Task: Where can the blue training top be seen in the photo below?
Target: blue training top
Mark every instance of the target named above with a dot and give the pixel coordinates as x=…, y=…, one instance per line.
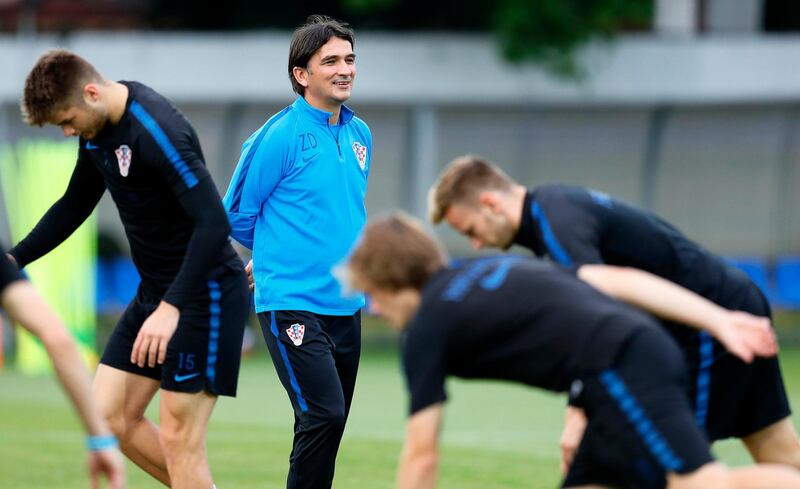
x=297, y=200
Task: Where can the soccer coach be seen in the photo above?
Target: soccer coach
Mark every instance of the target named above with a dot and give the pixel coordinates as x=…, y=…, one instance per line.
x=297, y=199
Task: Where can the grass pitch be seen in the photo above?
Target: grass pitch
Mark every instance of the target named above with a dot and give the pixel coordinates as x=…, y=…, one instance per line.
x=496, y=435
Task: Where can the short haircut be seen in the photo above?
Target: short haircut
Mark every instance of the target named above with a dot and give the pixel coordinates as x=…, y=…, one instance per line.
x=309, y=37
x=461, y=181
x=394, y=253
x=54, y=83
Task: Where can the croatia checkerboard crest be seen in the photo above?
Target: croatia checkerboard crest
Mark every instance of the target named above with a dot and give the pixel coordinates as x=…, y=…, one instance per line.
x=124, y=159
x=295, y=333
x=361, y=155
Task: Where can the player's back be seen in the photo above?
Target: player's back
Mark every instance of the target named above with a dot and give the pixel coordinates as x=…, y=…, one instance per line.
x=595, y=228
x=148, y=160
x=518, y=319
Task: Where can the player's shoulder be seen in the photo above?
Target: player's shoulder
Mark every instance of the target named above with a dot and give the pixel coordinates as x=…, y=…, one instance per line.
x=146, y=97
x=359, y=124
x=559, y=191
x=276, y=130
x=284, y=124
x=151, y=108
x=564, y=195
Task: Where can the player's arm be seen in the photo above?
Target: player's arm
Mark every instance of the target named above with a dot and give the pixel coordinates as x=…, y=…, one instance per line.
x=260, y=168
x=23, y=304
x=211, y=228
x=741, y=333
x=575, y=422
x=419, y=460
x=83, y=192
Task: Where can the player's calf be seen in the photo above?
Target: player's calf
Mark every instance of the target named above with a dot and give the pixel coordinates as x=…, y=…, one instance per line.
x=184, y=420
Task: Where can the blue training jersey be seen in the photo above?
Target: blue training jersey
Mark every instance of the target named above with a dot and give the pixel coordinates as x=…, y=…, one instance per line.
x=297, y=200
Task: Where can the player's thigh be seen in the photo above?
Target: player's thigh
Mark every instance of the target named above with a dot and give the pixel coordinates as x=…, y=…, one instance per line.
x=641, y=426
x=120, y=393
x=302, y=352
x=777, y=443
x=184, y=415
x=710, y=475
x=205, y=351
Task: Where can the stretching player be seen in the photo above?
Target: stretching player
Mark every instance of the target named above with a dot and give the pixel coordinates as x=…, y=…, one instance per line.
x=576, y=226
x=183, y=330
x=468, y=321
x=23, y=304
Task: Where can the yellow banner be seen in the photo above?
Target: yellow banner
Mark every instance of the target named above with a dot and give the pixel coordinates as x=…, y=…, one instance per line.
x=34, y=175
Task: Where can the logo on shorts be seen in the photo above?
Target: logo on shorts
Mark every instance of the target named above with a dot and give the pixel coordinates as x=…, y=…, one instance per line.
x=181, y=378
x=124, y=159
x=361, y=155
x=295, y=333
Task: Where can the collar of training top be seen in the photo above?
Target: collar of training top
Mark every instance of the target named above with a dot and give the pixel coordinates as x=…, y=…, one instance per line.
x=322, y=116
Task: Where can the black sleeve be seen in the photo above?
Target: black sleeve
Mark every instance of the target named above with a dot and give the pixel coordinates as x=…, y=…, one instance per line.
x=570, y=222
x=174, y=151
x=8, y=272
x=83, y=192
x=211, y=229
x=424, y=365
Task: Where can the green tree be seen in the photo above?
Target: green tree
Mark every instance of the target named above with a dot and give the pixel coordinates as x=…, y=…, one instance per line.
x=548, y=32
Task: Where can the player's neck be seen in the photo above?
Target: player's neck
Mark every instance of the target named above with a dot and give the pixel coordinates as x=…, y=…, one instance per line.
x=516, y=201
x=117, y=95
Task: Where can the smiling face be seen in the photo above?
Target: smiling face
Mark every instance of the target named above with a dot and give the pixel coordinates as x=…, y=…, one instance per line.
x=328, y=77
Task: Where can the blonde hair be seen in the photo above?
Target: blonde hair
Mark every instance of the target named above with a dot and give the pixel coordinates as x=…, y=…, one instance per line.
x=394, y=253
x=461, y=181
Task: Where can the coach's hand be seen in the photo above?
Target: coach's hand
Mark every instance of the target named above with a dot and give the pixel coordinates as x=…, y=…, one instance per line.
x=151, y=342
x=748, y=336
x=574, y=427
x=107, y=462
x=249, y=270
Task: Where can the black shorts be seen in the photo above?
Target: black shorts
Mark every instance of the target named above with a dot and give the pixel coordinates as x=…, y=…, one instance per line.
x=731, y=398
x=205, y=351
x=641, y=424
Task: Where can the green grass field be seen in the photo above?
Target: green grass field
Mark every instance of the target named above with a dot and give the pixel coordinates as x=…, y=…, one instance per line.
x=496, y=435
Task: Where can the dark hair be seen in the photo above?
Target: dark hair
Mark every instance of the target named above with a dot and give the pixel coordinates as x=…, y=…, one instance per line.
x=55, y=82
x=311, y=36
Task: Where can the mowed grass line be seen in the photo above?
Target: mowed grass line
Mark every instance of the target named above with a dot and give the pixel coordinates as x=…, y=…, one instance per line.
x=496, y=435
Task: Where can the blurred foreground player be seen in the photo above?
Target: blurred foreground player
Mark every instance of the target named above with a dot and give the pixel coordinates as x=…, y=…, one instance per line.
x=468, y=321
x=25, y=306
x=183, y=331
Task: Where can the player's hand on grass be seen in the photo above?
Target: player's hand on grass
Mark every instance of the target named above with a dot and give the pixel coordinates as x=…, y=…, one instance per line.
x=151, y=343
x=249, y=270
x=574, y=427
x=747, y=336
x=107, y=463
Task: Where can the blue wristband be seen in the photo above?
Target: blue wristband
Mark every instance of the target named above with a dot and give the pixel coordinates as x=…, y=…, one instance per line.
x=97, y=443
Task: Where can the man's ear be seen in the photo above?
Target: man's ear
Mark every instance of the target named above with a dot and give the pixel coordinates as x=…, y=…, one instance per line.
x=91, y=93
x=301, y=76
x=491, y=200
